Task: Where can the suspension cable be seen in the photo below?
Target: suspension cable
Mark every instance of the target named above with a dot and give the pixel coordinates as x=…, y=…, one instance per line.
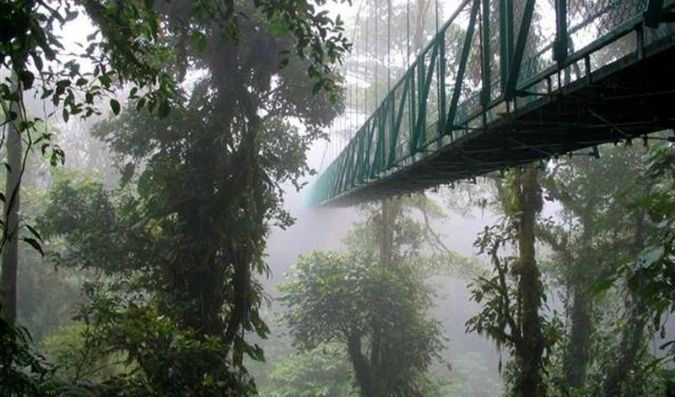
x=377, y=58
x=366, y=61
x=436, y=4
x=388, y=45
x=407, y=33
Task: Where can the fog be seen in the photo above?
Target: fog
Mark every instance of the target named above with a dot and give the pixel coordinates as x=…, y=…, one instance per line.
x=162, y=234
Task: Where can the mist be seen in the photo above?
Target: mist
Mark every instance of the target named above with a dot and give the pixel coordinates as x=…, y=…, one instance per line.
x=410, y=198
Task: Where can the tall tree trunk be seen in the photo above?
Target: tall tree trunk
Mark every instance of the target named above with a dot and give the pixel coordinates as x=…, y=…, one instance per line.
x=617, y=382
x=576, y=357
x=362, y=369
x=576, y=354
x=10, y=250
x=632, y=340
x=378, y=365
x=530, y=351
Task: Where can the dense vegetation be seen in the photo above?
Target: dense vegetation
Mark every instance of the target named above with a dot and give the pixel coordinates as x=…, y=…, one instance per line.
x=138, y=266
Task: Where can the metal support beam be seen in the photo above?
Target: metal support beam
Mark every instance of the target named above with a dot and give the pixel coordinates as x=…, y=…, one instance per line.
x=424, y=82
x=514, y=70
x=441, y=92
x=505, y=39
x=457, y=89
x=397, y=123
x=560, y=46
x=653, y=13
x=486, y=64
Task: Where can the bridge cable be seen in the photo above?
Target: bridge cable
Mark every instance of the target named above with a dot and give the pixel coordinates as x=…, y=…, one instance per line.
x=355, y=106
x=388, y=45
x=407, y=33
x=365, y=90
x=377, y=58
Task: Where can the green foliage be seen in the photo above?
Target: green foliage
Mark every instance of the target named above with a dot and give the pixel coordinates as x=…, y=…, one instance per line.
x=378, y=314
x=513, y=297
x=498, y=318
x=22, y=371
x=159, y=353
x=77, y=357
x=652, y=275
x=176, y=293
x=320, y=372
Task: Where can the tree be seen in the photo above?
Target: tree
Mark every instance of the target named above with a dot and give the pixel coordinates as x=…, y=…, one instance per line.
x=649, y=277
x=597, y=231
x=200, y=189
x=512, y=298
x=380, y=317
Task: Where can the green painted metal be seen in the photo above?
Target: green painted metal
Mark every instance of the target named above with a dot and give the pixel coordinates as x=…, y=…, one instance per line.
x=519, y=51
x=462, y=67
x=505, y=38
x=561, y=37
x=399, y=133
x=486, y=55
x=653, y=13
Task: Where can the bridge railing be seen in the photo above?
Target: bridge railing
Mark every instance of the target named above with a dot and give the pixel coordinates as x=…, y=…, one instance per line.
x=489, y=57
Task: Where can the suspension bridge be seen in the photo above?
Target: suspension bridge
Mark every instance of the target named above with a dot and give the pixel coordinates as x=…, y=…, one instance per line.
x=504, y=83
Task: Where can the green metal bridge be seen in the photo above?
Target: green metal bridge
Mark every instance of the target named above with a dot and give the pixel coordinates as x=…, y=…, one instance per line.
x=507, y=82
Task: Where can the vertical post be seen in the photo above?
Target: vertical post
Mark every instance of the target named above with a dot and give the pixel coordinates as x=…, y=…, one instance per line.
x=407, y=33
x=519, y=51
x=420, y=124
x=412, y=114
x=376, y=99
x=440, y=78
x=506, y=40
x=393, y=134
x=561, y=40
x=388, y=45
x=461, y=67
x=487, y=55
x=653, y=13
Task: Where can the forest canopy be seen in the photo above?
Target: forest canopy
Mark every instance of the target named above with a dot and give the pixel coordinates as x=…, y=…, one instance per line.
x=154, y=243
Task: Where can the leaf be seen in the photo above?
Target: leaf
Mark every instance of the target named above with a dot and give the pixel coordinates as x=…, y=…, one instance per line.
x=603, y=285
x=37, y=60
x=46, y=92
x=35, y=244
x=34, y=232
x=71, y=15
x=27, y=79
x=115, y=106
